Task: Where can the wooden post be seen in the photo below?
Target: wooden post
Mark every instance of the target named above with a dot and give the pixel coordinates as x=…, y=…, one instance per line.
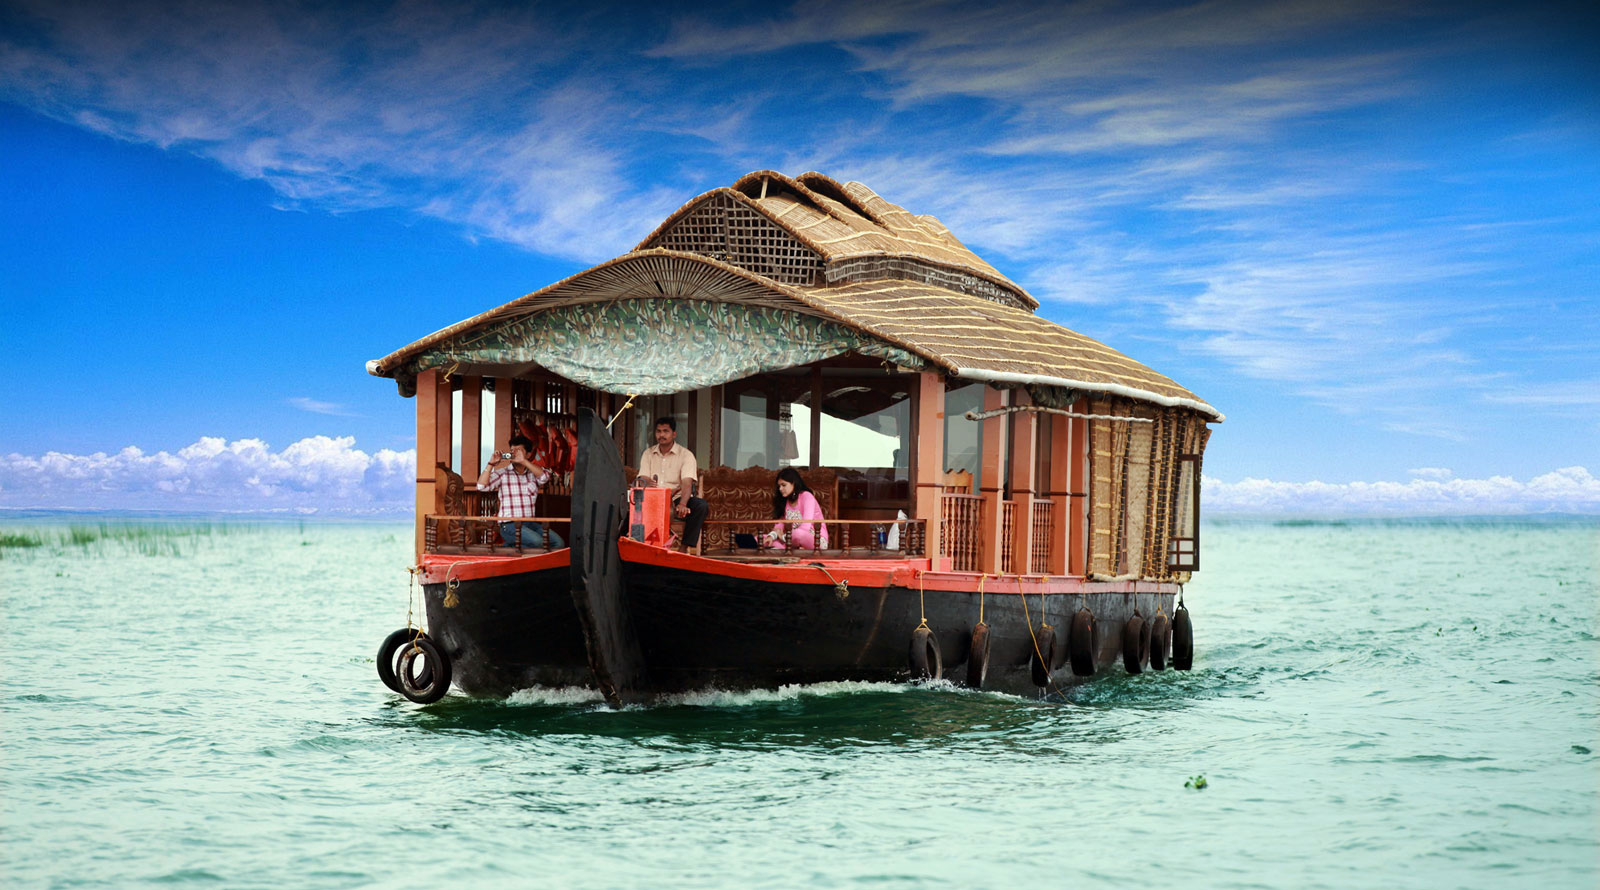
x=1058, y=490
x=929, y=461
x=503, y=399
x=1024, y=438
x=1078, y=489
x=471, y=429
x=427, y=447
x=816, y=417
x=992, y=487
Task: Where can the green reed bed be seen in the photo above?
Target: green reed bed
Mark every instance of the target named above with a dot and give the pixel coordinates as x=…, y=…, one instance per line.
x=146, y=538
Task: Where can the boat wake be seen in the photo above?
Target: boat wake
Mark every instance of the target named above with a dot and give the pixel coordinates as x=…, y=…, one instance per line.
x=729, y=698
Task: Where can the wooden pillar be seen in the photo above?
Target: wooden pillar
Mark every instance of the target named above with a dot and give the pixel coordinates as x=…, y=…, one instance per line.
x=503, y=399
x=928, y=461
x=816, y=417
x=992, y=486
x=471, y=429
x=1058, y=490
x=428, y=445
x=1024, y=438
x=1078, y=488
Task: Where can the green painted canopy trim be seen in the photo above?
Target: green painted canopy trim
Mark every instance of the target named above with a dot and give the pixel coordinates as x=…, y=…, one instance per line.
x=655, y=346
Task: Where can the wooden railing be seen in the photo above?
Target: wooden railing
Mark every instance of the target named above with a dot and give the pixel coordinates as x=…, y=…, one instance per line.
x=961, y=518
x=845, y=538
x=1008, y=537
x=1044, y=526
x=481, y=534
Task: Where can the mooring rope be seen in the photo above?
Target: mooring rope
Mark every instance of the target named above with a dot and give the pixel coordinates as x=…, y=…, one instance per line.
x=1028, y=617
x=922, y=604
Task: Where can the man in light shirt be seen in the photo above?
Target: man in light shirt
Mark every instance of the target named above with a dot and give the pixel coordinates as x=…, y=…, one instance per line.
x=517, y=479
x=673, y=466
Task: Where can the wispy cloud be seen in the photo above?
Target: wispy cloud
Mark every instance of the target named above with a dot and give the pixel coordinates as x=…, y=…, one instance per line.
x=318, y=473
x=319, y=407
x=482, y=117
x=1237, y=181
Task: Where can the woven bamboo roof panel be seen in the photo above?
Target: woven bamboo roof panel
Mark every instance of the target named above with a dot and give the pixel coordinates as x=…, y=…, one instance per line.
x=844, y=224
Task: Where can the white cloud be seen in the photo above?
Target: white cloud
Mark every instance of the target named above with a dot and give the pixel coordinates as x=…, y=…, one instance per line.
x=316, y=406
x=1567, y=490
x=330, y=475
x=315, y=474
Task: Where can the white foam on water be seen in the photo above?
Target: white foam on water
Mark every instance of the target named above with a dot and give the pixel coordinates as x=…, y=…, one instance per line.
x=554, y=695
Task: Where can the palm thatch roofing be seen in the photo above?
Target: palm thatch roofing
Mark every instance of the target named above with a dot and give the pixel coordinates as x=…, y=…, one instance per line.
x=841, y=253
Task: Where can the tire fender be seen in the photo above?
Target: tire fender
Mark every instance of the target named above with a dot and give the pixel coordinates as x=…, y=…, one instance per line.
x=389, y=652
x=978, y=656
x=432, y=681
x=1080, y=643
x=1182, y=640
x=1133, y=643
x=1160, y=641
x=926, y=663
x=1044, y=654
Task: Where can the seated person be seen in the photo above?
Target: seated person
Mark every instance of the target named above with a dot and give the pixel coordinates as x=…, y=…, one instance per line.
x=517, y=480
x=673, y=466
x=792, y=499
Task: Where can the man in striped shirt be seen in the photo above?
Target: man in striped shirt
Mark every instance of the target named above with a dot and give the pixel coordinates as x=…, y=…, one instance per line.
x=517, y=479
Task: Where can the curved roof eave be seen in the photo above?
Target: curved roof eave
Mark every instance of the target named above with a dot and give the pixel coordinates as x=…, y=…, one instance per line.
x=820, y=305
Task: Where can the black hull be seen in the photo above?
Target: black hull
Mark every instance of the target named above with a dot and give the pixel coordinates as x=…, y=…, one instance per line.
x=702, y=630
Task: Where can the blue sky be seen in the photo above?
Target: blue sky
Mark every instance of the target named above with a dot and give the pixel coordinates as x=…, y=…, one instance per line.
x=1369, y=235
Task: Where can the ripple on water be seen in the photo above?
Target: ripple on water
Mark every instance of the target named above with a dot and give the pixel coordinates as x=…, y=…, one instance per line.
x=1350, y=723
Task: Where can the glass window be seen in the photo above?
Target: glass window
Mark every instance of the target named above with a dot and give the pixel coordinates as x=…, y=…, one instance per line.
x=866, y=425
x=963, y=438
x=748, y=435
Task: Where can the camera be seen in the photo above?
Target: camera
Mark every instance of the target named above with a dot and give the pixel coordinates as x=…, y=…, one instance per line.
x=505, y=455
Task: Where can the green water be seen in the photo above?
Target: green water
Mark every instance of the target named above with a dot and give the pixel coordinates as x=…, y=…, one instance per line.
x=1373, y=704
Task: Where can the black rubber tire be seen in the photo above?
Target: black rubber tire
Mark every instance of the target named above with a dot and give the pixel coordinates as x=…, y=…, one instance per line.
x=1045, y=636
x=926, y=662
x=389, y=653
x=1132, y=641
x=978, y=657
x=1144, y=642
x=438, y=678
x=1182, y=640
x=1160, y=641
x=1080, y=643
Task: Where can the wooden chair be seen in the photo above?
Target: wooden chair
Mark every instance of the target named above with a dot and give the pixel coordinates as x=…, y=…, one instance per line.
x=957, y=482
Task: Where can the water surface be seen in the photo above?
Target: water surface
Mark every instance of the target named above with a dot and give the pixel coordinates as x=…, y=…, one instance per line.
x=1404, y=704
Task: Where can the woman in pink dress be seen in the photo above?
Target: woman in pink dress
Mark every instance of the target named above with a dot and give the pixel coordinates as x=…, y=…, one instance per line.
x=792, y=499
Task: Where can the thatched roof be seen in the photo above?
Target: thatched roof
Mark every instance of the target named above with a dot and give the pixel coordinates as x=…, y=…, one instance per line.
x=842, y=232
x=965, y=335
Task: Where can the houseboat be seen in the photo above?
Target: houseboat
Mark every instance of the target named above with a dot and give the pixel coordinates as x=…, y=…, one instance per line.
x=1008, y=504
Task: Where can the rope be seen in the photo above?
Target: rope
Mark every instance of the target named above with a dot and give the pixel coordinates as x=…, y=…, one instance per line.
x=981, y=578
x=922, y=583
x=1028, y=617
x=841, y=588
